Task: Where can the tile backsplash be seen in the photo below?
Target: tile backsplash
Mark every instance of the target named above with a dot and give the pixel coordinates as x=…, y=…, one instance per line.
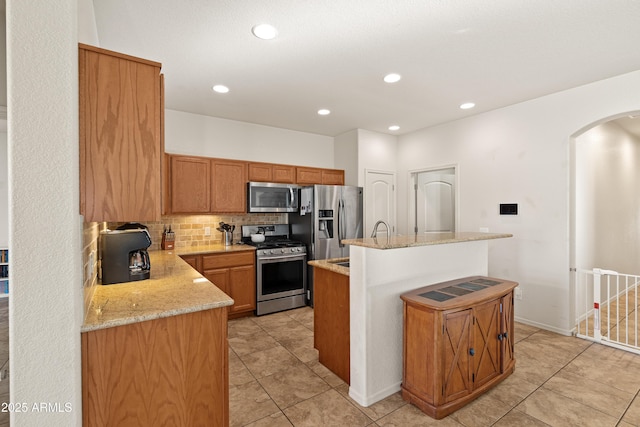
x=190, y=229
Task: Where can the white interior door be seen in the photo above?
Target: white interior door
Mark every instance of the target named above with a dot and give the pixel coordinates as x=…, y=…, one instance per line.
x=435, y=201
x=380, y=201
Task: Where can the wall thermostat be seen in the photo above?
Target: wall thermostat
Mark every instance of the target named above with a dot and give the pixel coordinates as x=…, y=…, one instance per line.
x=508, y=209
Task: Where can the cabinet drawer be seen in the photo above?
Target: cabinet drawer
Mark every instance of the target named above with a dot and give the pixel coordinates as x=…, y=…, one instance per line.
x=227, y=260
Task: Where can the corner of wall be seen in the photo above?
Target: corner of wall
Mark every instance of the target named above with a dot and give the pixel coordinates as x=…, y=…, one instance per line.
x=90, y=234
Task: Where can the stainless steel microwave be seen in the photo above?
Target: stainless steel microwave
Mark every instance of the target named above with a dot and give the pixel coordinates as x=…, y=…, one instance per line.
x=271, y=197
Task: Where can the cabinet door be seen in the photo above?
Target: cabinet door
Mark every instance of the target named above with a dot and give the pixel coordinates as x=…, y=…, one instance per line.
x=486, y=360
x=120, y=136
x=332, y=177
x=168, y=371
x=190, y=184
x=260, y=172
x=219, y=277
x=284, y=174
x=242, y=288
x=194, y=261
x=455, y=347
x=308, y=176
x=507, y=328
x=229, y=184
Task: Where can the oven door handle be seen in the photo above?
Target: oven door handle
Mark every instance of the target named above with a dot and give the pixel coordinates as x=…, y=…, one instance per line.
x=280, y=258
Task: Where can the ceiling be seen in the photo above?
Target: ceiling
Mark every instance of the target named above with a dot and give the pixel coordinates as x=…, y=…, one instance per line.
x=334, y=53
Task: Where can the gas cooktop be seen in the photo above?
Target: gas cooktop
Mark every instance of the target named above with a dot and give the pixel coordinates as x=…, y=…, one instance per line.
x=276, y=236
x=274, y=244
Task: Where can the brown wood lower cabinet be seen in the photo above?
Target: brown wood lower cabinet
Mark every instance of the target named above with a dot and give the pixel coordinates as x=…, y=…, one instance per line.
x=331, y=321
x=162, y=372
x=234, y=274
x=458, y=342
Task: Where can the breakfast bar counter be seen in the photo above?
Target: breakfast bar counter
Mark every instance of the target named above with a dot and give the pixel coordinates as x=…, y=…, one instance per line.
x=414, y=240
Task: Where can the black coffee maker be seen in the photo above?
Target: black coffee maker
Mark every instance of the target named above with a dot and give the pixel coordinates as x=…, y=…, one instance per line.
x=124, y=256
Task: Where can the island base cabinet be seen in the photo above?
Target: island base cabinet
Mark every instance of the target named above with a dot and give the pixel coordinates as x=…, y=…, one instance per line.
x=168, y=371
x=331, y=314
x=453, y=351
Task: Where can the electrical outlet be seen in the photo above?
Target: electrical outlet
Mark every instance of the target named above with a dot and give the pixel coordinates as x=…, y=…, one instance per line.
x=207, y=231
x=518, y=294
x=484, y=229
x=91, y=263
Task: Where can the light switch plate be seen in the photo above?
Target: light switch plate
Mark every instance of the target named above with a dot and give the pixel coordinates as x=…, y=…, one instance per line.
x=207, y=231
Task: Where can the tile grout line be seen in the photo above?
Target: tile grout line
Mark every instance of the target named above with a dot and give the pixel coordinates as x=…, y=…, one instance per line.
x=545, y=381
x=371, y=421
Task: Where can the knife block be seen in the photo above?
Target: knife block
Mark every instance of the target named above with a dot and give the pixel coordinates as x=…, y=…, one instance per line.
x=168, y=240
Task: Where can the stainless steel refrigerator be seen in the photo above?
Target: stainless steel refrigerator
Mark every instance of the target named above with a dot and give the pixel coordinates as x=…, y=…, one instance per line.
x=328, y=214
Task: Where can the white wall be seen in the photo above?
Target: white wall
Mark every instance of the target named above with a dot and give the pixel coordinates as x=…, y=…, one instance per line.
x=345, y=151
x=44, y=223
x=519, y=154
x=608, y=199
x=376, y=151
x=195, y=134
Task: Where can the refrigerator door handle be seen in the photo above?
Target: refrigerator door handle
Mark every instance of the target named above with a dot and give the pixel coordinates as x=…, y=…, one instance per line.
x=341, y=223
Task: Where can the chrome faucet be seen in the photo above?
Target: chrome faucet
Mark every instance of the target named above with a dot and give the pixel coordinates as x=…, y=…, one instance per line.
x=374, y=233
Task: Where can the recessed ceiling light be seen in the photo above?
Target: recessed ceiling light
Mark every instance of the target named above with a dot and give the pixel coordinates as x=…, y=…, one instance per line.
x=220, y=89
x=264, y=31
x=392, y=78
x=394, y=127
x=324, y=112
x=467, y=105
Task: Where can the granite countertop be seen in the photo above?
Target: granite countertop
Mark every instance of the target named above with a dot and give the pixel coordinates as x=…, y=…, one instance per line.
x=174, y=288
x=330, y=264
x=395, y=242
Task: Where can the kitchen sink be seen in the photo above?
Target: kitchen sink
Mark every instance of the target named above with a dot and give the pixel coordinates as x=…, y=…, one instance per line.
x=342, y=264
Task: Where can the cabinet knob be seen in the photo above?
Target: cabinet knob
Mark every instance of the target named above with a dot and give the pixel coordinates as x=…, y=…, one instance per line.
x=472, y=351
x=505, y=335
x=499, y=337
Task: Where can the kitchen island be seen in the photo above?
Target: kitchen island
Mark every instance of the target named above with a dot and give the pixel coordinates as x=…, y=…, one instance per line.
x=381, y=269
x=155, y=352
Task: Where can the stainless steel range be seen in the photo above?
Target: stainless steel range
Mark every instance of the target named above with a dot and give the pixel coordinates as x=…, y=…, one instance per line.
x=281, y=268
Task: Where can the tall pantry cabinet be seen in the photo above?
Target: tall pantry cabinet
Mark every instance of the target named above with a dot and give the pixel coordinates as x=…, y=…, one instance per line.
x=121, y=136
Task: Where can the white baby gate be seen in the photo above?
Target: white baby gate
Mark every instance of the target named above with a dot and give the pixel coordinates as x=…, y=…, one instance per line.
x=607, y=308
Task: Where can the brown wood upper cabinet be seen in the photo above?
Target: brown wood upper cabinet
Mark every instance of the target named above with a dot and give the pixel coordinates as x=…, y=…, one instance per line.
x=310, y=176
x=229, y=186
x=197, y=185
x=121, y=143
x=205, y=185
x=190, y=184
x=269, y=172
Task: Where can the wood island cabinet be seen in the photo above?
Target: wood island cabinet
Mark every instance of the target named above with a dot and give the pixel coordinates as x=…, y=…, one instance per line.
x=166, y=371
x=458, y=342
x=121, y=136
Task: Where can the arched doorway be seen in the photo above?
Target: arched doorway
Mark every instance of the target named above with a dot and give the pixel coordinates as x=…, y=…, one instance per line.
x=605, y=228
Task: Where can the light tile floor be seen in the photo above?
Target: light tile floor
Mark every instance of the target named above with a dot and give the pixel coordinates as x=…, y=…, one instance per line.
x=275, y=380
